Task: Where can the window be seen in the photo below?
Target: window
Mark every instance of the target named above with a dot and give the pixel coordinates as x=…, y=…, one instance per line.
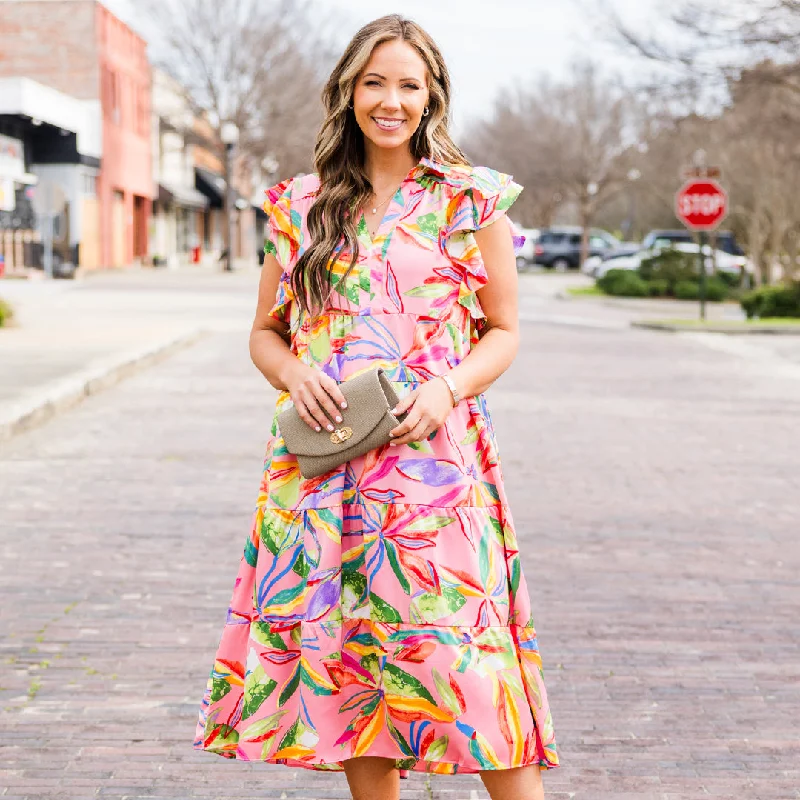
x=665, y=242
x=727, y=244
x=552, y=238
x=90, y=184
x=141, y=115
x=113, y=95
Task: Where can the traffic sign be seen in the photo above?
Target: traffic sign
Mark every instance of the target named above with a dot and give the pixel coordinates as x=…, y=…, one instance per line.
x=701, y=204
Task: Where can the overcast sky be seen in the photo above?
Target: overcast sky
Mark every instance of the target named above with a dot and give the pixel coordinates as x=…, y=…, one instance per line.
x=489, y=44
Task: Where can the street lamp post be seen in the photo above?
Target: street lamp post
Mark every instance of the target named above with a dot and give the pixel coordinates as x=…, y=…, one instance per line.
x=229, y=133
x=586, y=211
x=633, y=176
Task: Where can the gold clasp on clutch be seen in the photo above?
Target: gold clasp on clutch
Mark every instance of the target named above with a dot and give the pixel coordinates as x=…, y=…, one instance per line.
x=341, y=435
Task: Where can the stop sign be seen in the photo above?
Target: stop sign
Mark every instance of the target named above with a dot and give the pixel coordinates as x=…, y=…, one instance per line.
x=701, y=204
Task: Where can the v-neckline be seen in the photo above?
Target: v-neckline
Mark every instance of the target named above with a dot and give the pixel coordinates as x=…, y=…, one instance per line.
x=372, y=239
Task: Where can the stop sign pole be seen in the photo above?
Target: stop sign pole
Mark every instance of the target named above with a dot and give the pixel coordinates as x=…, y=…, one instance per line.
x=701, y=204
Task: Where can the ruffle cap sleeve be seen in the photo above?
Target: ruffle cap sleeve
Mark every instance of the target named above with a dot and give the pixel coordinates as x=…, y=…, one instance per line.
x=282, y=237
x=282, y=242
x=479, y=197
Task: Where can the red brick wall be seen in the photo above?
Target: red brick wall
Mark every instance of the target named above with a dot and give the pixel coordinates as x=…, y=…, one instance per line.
x=82, y=49
x=54, y=43
x=125, y=81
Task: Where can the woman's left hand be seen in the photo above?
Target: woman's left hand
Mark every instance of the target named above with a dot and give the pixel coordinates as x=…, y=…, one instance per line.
x=428, y=407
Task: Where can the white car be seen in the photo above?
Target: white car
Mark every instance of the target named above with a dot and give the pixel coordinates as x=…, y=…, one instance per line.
x=526, y=255
x=725, y=262
x=593, y=263
x=597, y=266
x=631, y=262
x=590, y=266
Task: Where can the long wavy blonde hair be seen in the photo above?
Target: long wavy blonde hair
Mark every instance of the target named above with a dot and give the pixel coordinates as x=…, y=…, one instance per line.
x=339, y=152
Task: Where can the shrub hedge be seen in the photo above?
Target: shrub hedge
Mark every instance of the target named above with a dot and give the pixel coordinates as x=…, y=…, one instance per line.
x=659, y=287
x=687, y=290
x=671, y=273
x=623, y=283
x=716, y=290
x=672, y=266
x=5, y=313
x=626, y=283
x=782, y=300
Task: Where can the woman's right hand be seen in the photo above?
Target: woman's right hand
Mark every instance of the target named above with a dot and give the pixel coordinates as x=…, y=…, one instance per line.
x=314, y=393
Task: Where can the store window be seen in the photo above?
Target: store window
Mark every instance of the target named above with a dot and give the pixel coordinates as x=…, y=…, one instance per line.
x=90, y=184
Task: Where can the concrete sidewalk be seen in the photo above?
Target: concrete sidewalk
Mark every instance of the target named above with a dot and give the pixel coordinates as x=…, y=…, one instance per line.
x=72, y=338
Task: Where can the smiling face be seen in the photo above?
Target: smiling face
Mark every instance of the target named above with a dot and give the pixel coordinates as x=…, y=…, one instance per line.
x=390, y=95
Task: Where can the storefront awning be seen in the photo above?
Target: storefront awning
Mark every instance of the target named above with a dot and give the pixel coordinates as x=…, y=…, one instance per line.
x=213, y=187
x=181, y=196
x=210, y=185
x=39, y=106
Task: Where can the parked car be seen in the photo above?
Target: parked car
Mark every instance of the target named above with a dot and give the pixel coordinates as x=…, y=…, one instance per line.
x=724, y=240
x=724, y=262
x=591, y=264
x=526, y=255
x=560, y=248
x=594, y=264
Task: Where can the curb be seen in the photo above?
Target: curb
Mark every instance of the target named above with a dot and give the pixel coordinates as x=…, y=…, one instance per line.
x=68, y=393
x=773, y=330
x=571, y=322
x=636, y=303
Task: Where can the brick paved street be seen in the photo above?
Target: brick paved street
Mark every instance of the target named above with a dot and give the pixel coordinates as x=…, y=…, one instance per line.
x=655, y=484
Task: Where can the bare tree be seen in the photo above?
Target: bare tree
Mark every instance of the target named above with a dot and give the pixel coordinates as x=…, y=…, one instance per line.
x=703, y=47
x=762, y=160
x=739, y=65
x=521, y=138
x=596, y=139
x=256, y=63
x=565, y=141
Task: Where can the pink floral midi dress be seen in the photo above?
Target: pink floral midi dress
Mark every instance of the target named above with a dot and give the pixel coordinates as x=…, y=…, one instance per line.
x=380, y=609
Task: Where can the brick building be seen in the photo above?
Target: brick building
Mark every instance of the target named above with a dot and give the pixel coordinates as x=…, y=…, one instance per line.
x=210, y=180
x=50, y=148
x=179, y=207
x=81, y=49
x=189, y=222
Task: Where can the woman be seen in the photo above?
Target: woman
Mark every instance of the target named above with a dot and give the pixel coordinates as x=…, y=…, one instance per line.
x=380, y=621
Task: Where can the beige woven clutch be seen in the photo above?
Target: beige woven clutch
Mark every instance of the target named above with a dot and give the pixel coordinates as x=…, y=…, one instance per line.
x=365, y=425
